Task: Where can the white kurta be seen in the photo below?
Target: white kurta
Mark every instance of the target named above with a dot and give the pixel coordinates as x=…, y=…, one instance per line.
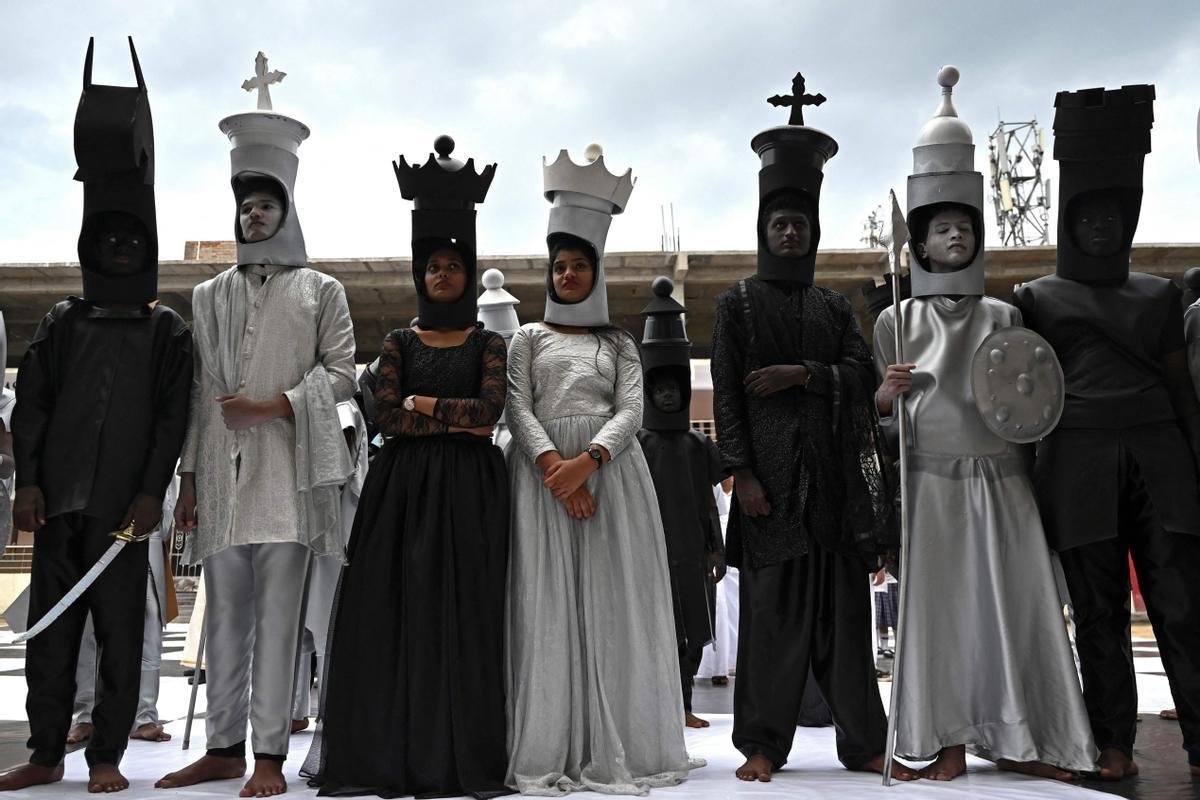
x=985, y=660
x=279, y=481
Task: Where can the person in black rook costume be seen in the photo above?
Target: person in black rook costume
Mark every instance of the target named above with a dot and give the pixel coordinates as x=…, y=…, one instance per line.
x=684, y=465
x=792, y=382
x=1117, y=477
x=104, y=391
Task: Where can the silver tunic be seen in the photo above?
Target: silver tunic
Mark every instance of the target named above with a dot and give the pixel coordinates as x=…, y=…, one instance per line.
x=592, y=671
x=986, y=660
x=290, y=335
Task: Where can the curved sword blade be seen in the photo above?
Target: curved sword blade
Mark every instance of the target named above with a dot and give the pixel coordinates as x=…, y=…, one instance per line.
x=78, y=589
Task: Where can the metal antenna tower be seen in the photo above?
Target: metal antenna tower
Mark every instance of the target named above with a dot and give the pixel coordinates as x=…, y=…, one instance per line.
x=1020, y=196
x=873, y=228
x=670, y=235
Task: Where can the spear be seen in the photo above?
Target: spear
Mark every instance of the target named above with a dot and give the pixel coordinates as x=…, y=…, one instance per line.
x=894, y=236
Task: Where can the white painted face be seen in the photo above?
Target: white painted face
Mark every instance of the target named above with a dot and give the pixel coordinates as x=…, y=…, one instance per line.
x=950, y=243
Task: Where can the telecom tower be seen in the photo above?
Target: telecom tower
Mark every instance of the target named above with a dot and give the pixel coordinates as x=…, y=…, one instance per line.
x=1021, y=197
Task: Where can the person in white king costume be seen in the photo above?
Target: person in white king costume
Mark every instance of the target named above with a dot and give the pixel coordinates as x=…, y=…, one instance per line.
x=265, y=457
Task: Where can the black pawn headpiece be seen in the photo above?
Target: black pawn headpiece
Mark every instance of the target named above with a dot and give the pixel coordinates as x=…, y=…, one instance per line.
x=666, y=351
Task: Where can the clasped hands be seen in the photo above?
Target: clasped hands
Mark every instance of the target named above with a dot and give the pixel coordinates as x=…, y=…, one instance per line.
x=565, y=478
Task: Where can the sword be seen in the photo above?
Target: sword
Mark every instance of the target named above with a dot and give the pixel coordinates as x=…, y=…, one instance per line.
x=191, y=715
x=122, y=538
x=894, y=236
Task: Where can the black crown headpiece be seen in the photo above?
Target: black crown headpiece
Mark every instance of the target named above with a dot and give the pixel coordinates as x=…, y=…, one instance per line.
x=442, y=181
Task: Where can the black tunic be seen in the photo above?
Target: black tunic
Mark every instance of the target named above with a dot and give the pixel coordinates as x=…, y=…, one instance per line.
x=414, y=695
x=102, y=403
x=787, y=439
x=1111, y=340
x=685, y=465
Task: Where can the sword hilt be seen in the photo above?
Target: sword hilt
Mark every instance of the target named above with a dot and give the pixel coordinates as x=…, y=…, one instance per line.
x=127, y=535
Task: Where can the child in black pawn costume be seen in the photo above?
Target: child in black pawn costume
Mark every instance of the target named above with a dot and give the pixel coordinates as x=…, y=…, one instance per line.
x=1118, y=475
x=684, y=465
x=103, y=408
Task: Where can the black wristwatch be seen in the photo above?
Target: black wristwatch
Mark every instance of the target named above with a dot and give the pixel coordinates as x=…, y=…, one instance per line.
x=596, y=455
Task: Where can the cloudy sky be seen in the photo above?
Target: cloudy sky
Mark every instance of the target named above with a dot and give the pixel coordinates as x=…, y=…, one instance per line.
x=674, y=89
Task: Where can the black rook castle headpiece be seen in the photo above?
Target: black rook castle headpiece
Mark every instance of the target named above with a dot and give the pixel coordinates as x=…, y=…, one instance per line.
x=444, y=192
x=1101, y=138
x=114, y=149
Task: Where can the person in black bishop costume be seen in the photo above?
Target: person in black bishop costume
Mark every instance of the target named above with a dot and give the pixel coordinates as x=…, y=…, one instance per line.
x=790, y=369
x=684, y=465
x=1118, y=476
x=104, y=392
x=414, y=697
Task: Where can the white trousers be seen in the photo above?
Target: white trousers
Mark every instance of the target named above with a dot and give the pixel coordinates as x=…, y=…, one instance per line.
x=255, y=607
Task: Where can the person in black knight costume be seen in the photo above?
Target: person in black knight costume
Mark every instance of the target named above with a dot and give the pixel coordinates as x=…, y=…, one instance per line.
x=1117, y=477
x=104, y=392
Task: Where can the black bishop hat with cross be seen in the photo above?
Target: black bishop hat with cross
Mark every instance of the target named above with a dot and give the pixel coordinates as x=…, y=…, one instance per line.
x=792, y=160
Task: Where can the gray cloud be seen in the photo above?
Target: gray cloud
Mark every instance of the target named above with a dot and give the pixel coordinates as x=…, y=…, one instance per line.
x=674, y=89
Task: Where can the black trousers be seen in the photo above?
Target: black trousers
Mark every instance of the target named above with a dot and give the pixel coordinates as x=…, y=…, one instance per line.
x=815, y=611
x=62, y=552
x=689, y=665
x=1167, y=566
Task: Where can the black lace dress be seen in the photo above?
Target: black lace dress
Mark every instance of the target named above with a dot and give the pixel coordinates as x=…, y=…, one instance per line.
x=414, y=695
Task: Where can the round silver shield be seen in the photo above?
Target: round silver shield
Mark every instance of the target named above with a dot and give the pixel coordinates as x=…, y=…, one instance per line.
x=1018, y=385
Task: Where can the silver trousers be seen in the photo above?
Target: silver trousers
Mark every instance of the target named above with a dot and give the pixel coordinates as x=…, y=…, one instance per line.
x=255, y=606
x=322, y=585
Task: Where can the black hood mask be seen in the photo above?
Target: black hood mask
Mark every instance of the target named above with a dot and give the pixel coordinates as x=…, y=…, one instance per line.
x=1101, y=138
x=114, y=150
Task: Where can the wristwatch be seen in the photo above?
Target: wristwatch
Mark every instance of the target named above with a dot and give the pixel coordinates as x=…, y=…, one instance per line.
x=410, y=403
x=596, y=456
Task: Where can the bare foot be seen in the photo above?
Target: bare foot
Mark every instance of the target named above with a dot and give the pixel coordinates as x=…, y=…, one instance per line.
x=1168, y=713
x=106, y=778
x=757, y=768
x=1115, y=765
x=1038, y=769
x=28, y=775
x=266, y=781
x=299, y=724
x=692, y=721
x=900, y=770
x=720, y=680
x=79, y=733
x=950, y=763
x=150, y=732
x=206, y=768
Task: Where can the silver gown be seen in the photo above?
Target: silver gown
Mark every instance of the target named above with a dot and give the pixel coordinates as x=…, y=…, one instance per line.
x=592, y=671
x=986, y=660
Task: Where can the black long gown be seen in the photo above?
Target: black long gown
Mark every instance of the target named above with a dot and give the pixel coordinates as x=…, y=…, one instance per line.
x=414, y=701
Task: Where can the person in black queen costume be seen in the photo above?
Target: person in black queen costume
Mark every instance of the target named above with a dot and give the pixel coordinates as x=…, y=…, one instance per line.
x=414, y=697
x=82, y=475
x=790, y=369
x=685, y=465
x=1117, y=477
